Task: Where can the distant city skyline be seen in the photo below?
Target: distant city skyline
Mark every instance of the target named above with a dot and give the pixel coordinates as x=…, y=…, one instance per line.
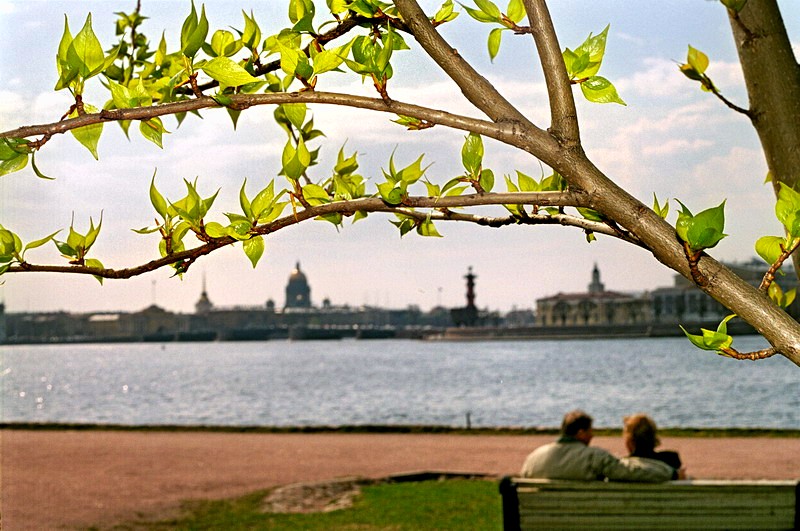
x=672, y=140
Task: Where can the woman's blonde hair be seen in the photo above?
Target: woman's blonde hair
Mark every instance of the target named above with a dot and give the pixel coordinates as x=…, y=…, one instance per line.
x=641, y=430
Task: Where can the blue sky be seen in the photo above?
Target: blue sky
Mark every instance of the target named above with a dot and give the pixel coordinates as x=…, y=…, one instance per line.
x=671, y=139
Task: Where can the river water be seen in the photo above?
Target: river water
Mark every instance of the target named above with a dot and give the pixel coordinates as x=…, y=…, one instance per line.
x=396, y=382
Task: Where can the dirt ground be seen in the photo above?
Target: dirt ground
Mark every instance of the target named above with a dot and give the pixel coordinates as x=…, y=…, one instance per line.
x=75, y=479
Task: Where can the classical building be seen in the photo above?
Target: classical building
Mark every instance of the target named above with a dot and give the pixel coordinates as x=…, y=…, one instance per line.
x=684, y=302
x=298, y=293
x=594, y=307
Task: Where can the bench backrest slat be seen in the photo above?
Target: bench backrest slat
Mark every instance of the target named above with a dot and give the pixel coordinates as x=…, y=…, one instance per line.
x=543, y=504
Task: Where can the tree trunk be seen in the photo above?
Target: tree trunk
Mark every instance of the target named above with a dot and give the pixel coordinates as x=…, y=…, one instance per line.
x=772, y=77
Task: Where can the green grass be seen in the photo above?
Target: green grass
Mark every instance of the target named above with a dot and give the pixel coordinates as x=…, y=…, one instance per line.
x=454, y=504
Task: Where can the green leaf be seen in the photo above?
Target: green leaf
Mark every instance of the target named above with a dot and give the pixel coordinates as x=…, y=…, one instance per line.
x=88, y=135
x=157, y=200
x=594, y=47
x=487, y=180
x=426, y=228
x=472, y=154
x=705, y=229
x=776, y=294
x=14, y=163
x=91, y=235
x=10, y=244
x=94, y=262
x=40, y=242
x=223, y=43
x=445, y=13
x=770, y=248
x=391, y=193
x=215, y=230
x=411, y=173
x=787, y=209
x=697, y=60
x=404, y=224
x=263, y=200
x=434, y=190
x=684, y=221
x=553, y=183
x=254, y=249
x=495, y=36
x=153, y=130
x=66, y=73
x=788, y=297
x=490, y=9
x=315, y=194
x=662, y=211
x=480, y=16
x=295, y=160
x=516, y=11
x=292, y=59
x=85, y=53
x=295, y=113
x=36, y=170
x=711, y=340
x=228, y=72
x=328, y=60
x=591, y=215
x=598, y=89
x=65, y=249
x=194, y=32
x=251, y=36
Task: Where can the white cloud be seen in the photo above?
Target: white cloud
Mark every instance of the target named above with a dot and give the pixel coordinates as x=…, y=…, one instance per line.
x=11, y=103
x=660, y=79
x=7, y=7
x=676, y=146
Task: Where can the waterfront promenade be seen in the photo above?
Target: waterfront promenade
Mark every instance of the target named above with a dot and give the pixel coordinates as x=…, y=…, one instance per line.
x=75, y=479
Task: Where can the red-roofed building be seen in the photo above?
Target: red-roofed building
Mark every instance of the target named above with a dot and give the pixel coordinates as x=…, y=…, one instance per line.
x=593, y=307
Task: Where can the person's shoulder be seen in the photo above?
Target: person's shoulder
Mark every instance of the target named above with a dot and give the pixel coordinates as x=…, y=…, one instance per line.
x=670, y=457
x=648, y=463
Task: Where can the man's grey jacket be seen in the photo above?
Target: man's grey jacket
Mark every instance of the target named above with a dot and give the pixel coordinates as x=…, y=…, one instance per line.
x=571, y=459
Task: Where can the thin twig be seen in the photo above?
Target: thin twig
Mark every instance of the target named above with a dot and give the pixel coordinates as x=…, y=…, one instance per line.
x=751, y=356
x=769, y=276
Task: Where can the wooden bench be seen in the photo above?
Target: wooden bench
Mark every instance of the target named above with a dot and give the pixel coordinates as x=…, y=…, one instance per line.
x=699, y=504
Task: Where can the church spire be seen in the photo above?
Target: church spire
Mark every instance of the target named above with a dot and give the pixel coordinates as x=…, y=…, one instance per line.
x=596, y=286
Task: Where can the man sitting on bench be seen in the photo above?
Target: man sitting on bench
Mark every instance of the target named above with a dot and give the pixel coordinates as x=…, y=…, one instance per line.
x=571, y=458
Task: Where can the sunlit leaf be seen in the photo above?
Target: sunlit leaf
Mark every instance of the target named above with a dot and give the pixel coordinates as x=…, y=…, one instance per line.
x=598, y=89
x=88, y=135
x=697, y=60
x=770, y=248
x=495, y=36
x=228, y=72
x=254, y=249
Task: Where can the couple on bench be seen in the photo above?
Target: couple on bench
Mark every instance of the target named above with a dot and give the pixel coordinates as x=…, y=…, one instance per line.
x=571, y=457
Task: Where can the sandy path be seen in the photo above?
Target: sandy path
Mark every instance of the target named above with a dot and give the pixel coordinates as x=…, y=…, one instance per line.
x=68, y=479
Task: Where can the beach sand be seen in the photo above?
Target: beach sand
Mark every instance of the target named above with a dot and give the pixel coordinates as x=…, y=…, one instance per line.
x=72, y=479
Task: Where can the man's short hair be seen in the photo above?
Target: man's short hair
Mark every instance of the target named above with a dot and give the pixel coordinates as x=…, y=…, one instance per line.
x=575, y=421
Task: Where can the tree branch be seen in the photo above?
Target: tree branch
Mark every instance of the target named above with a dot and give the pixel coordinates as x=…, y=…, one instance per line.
x=508, y=133
x=367, y=204
x=563, y=115
x=474, y=86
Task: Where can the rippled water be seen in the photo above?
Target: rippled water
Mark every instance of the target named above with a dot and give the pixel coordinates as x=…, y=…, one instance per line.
x=276, y=383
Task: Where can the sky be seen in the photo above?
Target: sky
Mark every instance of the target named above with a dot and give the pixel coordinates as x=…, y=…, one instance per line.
x=671, y=139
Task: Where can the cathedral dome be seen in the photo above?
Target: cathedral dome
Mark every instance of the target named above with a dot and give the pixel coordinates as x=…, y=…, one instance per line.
x=297, y=275
x=298, y=293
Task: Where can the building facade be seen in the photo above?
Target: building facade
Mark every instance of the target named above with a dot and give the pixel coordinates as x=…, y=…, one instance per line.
x=594, y=307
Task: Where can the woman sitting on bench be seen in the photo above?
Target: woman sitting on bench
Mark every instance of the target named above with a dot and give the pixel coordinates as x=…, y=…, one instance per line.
x=640, y=434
